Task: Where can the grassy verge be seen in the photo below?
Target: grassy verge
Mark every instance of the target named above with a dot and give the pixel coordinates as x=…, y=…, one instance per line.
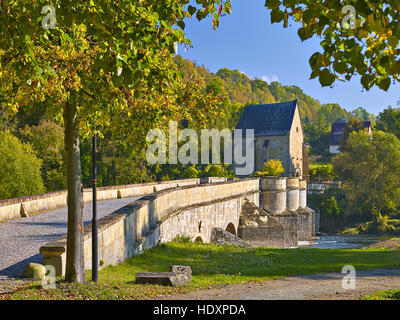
x=212, y=266
x=384, y=295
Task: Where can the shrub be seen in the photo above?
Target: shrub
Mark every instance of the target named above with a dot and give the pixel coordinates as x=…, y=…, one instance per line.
x=271, y=168
x=217, y=170
x=19, y=168
x=191, y=172
x=321, y=171
x=380, y=224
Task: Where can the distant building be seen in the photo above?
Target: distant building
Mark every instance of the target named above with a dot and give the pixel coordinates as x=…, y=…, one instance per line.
x=337, y=131
x=278, y=135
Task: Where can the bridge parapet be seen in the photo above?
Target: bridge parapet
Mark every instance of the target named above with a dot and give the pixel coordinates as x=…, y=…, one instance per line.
x=189, y=210
x=24, y=206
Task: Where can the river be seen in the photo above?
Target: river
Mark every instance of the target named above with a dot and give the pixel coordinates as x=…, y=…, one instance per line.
x=346, y=241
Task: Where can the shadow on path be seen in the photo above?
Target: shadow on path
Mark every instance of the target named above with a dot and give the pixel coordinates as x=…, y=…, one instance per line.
x=16, y=270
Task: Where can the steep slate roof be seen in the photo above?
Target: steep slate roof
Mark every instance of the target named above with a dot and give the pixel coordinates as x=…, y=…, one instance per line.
x=268, y=119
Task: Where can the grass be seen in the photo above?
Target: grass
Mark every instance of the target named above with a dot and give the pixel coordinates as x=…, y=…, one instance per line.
x=384, y=295
x=212, y=266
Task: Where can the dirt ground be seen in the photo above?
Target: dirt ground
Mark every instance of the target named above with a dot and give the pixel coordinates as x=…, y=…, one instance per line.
x=306, y=287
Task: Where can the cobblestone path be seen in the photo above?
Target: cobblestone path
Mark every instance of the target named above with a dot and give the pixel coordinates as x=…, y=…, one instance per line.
x=20, y=239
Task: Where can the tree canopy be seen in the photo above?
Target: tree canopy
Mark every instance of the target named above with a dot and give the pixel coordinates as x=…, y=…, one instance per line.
x=368, y=47
x=389, y=121
x=370, y=169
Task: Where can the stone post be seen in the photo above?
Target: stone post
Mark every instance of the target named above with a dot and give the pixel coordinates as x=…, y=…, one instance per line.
x=273, y=194
x=303, y=194
x=293, y=193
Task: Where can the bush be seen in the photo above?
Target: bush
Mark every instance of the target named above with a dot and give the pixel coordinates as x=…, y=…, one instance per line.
x=321, y=171
x=380, y=224
x=191, y=172
x=271, y=168
x=19, y=168
x=218, y=170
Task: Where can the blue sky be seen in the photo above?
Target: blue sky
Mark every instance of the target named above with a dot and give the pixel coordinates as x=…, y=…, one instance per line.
x=246, y=40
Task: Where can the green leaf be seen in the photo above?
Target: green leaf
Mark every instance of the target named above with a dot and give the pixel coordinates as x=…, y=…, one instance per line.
x=384, y=83
x=277, y=15
x=201, y=14
x=326, y=78
x=314, y=74
x=366, y=81
x=339, y=67
x=393, y=41
x=272, y=4
x=181, y=24
x=304, y=34
x=192, y=10
x=228, y=8
x=315, y=60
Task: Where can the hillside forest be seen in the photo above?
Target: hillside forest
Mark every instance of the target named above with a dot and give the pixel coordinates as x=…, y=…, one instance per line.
x=32, y=139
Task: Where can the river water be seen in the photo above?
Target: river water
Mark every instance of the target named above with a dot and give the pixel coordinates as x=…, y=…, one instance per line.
x=346, y=241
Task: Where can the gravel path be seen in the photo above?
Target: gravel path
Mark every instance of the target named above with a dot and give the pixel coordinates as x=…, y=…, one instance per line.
x=20, y=239
x=306, y=287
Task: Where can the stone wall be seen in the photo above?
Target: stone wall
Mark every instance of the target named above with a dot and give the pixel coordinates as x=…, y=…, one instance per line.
x=191, y=211
x=19, y=207
x=290, y=223
x=259, y=228
x=296, y=146
x=305, y=224
x=278, y=148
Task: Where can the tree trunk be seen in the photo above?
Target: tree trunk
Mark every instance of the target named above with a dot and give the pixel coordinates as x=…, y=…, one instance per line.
x=75, y=269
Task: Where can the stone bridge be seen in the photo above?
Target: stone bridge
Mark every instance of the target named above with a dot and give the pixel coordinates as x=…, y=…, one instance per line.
x=267, y=211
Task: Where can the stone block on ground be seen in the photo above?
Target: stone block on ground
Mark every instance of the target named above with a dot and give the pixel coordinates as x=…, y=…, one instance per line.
x=181, y=269
x=163, y=278
x=35, y=271
x=222, y=237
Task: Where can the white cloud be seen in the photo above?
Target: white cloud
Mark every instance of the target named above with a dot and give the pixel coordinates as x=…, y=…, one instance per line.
x=270, y=79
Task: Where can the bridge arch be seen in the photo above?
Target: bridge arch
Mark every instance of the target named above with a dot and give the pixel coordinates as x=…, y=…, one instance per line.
x=231, y=228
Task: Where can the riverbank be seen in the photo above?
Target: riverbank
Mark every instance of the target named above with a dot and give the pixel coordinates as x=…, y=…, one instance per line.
x=392, y=227
x=213, y=267
x=393, y=244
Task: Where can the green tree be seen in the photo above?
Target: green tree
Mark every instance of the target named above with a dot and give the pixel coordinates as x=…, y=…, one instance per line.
x=369, y=168
x=47, y=139
x=352, y=124
x=99, y=59
x=19, y=168
x=370, y=49
x=321, y=171
x=363, y=115
x=389, y=121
